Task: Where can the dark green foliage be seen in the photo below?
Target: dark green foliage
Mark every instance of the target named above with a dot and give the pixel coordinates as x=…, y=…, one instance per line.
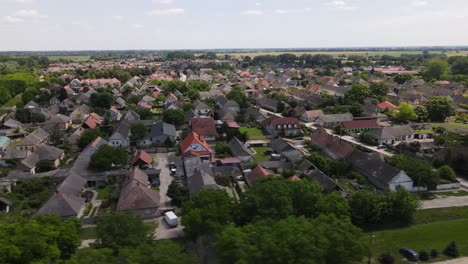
x=89, y=135
x=368, y=138
x=44, y=165
x=434, y=253
x=32, y=193
x=107, y=157
x=102, y=100
x=386, y=259
x=14, y=84
x=446, y=172
x=138, y=132
x=238, y=96
x=178, y=193
x=122, y=230
x=325, y=239
x=420, y=171
x=366, y=207
x=379, y=89
x=452, y=250
x=422, y=113
x=222, y=149
x=175, y=117
x=145, y=114
x=45, y=239
x=207, y=213
x=358, y=93
x=402, y=78
x=423, y=255
x=435, y=69
x=24, y=115
x=439, y=108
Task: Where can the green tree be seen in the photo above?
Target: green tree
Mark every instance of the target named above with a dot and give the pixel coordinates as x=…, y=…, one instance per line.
x=366, y=207
x=422, y=113
x=334, y=203
x=358, y=93
x=405, y=112
x=122, y=230
x=45, y=165
x=420, y=171
x=93, y=255
x=379, y=89
x=402, y=78
x=102, y=100
x=446, y=172
x=325, y=239
x=89, y=135
x=106, y=157
x=439, y=108
x=435, y=69
x=178, y=193
x=138, y=132
x=175, y=117
x=207, y=213
x=400, y=206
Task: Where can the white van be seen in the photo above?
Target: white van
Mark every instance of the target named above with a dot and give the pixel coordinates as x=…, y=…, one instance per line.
x=171, y=219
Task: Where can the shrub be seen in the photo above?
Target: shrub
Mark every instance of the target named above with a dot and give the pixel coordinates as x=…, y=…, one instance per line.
x=386, y=259
x=434, y=253
x=423, y=255
x=452, y=250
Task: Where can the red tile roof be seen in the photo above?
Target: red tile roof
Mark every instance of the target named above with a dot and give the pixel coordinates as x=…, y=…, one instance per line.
x=93, y=120
x=233, y=125
x=204, y=126
x=332, y=143
x=229, y=160
x=257, y=174
x=194, y=138
x=143, y=156
x=387, y=105
x=360, y=124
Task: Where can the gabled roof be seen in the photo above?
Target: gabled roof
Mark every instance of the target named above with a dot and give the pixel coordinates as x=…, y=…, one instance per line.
x=121, y=132
x=393, y=132
x=163, y=128
x=200, y=105
x=131, y=116
x=143, y=156
x=199, y=175
x=336, y=118
x=275, y=121
x=34, y=138
x=361, y=124
x=136, y=194
x=237, y=147
x=257, y=174
x=204, y=126
x=194, y=138
x=387, y=105
x=332, y=143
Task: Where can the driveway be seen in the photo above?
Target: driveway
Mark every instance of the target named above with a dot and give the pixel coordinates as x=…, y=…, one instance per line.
x=163, y=231
x=165, y=178
x=451, y=201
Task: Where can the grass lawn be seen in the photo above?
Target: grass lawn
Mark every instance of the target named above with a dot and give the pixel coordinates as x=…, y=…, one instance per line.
x=260, y=154
x=253, y=133
x=440, y=214
x=103, y=193
x=454, y=193
x=88, y=233
x=452, y=126
x=13, y=101
x=421, y=237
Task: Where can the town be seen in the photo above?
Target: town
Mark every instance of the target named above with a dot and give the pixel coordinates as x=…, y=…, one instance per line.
x=234, y=158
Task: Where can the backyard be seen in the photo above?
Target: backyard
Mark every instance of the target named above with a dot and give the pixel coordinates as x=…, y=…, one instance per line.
x=253, y=133
x=260, y=155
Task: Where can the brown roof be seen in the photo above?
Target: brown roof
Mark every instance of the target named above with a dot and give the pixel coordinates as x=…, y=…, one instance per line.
x=334, y=144
x=364, y=123
x=257, y=174
x=143, y=156
x=204, y=126
x=136, y=194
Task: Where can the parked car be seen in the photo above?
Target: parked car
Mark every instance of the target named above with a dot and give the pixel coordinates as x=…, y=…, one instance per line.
x=171, y=219
x=409, y=254
x=381, y=146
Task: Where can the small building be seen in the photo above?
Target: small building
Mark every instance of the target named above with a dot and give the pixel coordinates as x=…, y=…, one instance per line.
x=204, y=126
x=163, y=134
x=311, y=116
x=282, y=126
x=333, y=120
x=239, y=150
x=361, y=125
x=393, y=134
x=195, y=145
x=257, y=174
x=141, y=158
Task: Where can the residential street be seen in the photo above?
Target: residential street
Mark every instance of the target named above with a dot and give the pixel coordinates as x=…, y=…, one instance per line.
x=165, y=178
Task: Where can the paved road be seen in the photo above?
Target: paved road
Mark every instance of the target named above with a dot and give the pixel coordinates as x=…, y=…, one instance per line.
x=163, y=231
x=454, y=261
x=165, y=178
x=451, y=201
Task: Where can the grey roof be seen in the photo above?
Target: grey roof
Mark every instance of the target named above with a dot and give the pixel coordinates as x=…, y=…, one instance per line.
x=305, y=166
x=42, y=152
x=280, y=145
x=336, y=118
x=12, y=123
x=274, y=165
x=120, y=101
x=200, y=105
x=136, y=194
x=199, y=175
x=327, y=184
x=121, y=132
x=34, y=138
x=131, y=116
x=163, y=129
x=392, y=132
x=293, y=155
x=375, y=169
x=5, y=201
x=238, y=147
x=13, y=154
x=269, y=102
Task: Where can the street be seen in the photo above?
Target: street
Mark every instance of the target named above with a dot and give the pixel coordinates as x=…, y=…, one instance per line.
x=165, y=178
x=451, y=201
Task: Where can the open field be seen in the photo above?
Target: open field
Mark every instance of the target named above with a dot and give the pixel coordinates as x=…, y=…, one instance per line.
x=420, y=237
x=453, y=127
x=441, y=214
x=338, y=53
x=253, y=133
x=71, y=57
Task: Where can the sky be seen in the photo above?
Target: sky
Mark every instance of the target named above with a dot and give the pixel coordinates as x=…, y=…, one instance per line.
x=218, y=24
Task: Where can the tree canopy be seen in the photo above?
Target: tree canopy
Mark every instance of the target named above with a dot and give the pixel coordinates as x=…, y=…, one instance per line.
x=174, y=117
x=106, y=157
x=439, y=108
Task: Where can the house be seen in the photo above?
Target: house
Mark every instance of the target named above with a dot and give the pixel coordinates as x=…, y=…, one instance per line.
x=57, y=122
x=42, y=152
x=163, y=134
x=201, y=108
x=5, y=205
x=311, y=116
x=137, y=197
x=380, y=174
x=34, y=139
x=327, y=184
x=67, y=201
x=204, y=126
x=384, y=106
x=284, y=126
x=114, y=114
x=225, y=116
x=200, y=175
x=239, y=150
x=281, y=145
x=80, y=114
x=195, y=145
x=93, y=121
x=331, y=145
x=120, y=136
x=131, y=116
x=54, y=101
x=268, y=104
x=12, y=156
x=257, y=174
x=254, y=114
x=361, y=125
x=229, y=106
x=141, y=158
x=333, y=120
x=393, y=134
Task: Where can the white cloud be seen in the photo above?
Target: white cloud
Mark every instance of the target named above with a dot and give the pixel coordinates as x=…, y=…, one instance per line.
x=29, y=14
x=166, y=12
x=12, y=19
x=118, y=18
x=138, y=26
x=340, y=4
x=258, y=4
x=292, y=11
x=83, y=25
x=252, y=13
x=25, y=1
x=419, y=3
x=165, y=2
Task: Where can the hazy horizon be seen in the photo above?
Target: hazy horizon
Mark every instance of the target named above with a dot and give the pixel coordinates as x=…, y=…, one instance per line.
x=54, y=25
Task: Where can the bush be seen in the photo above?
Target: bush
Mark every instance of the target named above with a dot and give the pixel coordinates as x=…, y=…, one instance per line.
x=434, y=253
x=386, y=259
x=452, y=250
x=423, y=255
